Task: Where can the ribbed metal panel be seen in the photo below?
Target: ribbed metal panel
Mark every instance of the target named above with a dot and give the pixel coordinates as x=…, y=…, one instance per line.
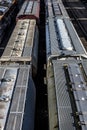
x=27, y=51
x=79, y=91
x=53, y=38
x=74, y=37
x=7, y=83
x=63, y=99
x=56, y=8
x=48, y=46
x=16, y=115
x=22, y=76
x=14, y=121
x=18, y=100
x=65, y=118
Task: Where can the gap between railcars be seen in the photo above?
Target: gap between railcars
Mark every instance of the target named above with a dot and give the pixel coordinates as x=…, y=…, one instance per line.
x=77, y=24
x=41, y=117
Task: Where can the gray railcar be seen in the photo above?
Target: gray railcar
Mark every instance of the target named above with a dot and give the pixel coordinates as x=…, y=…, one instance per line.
x=17, y=97
x=23, y=44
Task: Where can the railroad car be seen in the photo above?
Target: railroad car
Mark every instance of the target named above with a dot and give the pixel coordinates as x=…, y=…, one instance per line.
x=23, y=44
x=17, y=97
x=55, y=8
x=67, y=97
x=30, y=10
x=66, y=71
x=62, y=39
x=7, y=13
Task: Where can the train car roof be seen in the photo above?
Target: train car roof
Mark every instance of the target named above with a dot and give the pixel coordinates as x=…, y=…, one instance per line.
x=58, y=33
x=13, y=78
x=55, y=8
x=21, y=43
x=75, y=71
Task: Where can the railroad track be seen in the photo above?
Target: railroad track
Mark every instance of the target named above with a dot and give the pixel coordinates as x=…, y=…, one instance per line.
x=80, y=18
x=78, y=13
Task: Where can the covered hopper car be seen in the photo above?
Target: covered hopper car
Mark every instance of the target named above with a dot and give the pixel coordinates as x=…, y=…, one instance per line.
x=66, y=71
x=23, y=44
x=67, y=97
x=17, y=98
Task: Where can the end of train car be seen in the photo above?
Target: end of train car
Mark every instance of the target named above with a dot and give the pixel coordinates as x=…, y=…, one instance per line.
x=29, y=10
